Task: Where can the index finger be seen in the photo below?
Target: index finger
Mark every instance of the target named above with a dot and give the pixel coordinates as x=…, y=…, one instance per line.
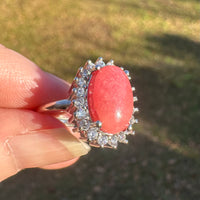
x=24, y=85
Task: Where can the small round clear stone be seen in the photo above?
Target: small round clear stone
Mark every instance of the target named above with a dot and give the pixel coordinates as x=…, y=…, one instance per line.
x=132, y=133
x=84, y=125
x=85, y=73
x=81, y=82
x=92, y=134
x=113, y=141
x=127, y=72
x=132, y=121
x=79, y=102
x=102, y=140
x=90, y=67
x=130, y=127
x=122, y=137
x=111, y=62
x=100, y=63
x=126, y=133
x=81, y=113
x=80, y=92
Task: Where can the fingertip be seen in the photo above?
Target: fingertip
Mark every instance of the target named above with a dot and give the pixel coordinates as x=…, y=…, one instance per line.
x=61, y=164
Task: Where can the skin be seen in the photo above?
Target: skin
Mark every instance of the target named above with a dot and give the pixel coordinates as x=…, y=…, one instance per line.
x=23, y=88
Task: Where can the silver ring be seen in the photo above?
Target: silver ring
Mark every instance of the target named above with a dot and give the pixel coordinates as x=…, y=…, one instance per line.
x=84, y=111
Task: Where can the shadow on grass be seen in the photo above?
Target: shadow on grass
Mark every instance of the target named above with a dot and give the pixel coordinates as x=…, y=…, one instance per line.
x=176, y=46
x=165, y=8
x=142, y=170
x=170, y=96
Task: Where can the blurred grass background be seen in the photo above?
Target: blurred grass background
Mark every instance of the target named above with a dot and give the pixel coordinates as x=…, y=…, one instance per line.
x=158, y=41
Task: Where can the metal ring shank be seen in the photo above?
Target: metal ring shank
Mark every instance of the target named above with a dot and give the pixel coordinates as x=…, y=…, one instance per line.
x=61, y=105
x=55, y=106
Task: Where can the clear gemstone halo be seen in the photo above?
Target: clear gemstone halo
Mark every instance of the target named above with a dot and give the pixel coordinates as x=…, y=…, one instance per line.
x=103, y=104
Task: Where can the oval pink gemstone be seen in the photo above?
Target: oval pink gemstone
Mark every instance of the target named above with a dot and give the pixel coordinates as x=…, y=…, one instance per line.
x=110, y=99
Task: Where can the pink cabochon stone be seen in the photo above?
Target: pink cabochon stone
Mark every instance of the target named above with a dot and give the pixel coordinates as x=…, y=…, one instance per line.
x=110, y=99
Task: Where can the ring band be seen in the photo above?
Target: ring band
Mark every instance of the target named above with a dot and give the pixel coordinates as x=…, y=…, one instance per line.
x=61, y=105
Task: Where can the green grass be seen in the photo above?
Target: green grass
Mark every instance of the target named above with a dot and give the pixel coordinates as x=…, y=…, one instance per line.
x=158, y=41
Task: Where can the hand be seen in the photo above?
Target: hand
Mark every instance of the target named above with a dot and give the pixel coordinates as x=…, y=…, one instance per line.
x=27, y=138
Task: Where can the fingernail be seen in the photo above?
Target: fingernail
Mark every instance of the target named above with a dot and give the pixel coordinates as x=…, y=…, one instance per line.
x=45, y=147
x=75, y=146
